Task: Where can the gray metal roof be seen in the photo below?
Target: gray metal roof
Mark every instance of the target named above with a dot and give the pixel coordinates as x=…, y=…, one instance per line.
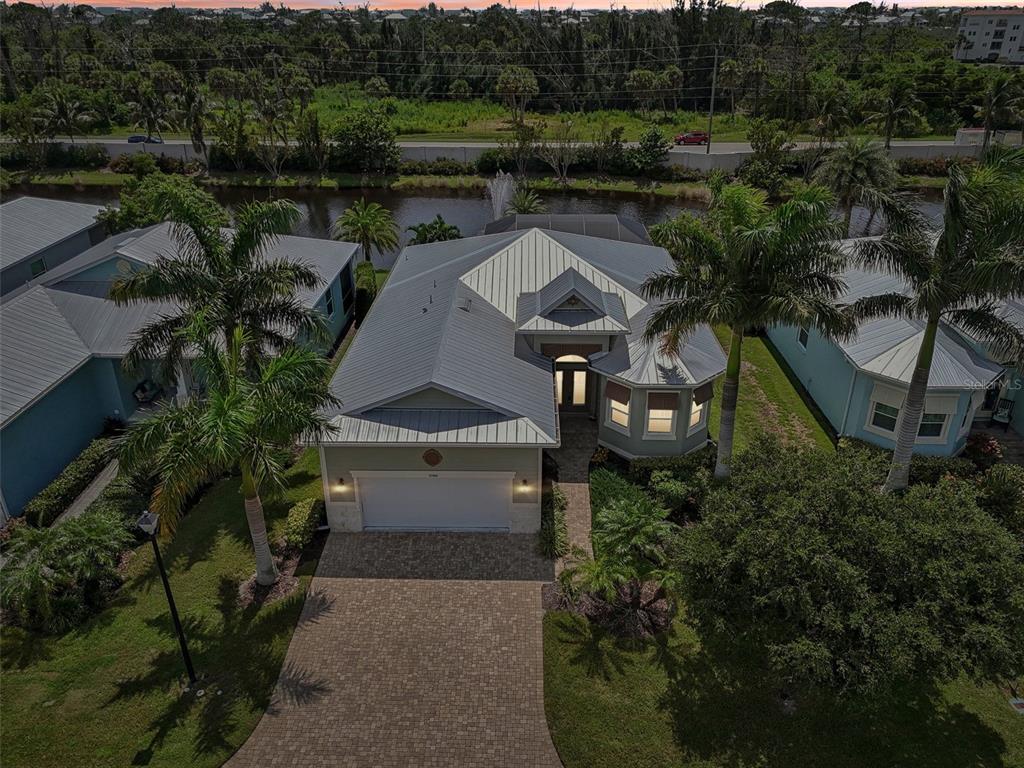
x=447, y=319
x=888, y=347
x=49, y=328
x=605, y=225
x=31, y=224
x=543, y=311
x=476, y=426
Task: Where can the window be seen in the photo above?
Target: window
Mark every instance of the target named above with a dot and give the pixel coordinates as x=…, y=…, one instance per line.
x=932, y=425
x=884, y=417
x=38, y=267
x=802, y=336
x=329, y=303
x=579, y=388
x=347, y=291
x=619, y=413
x=697, y=415
x=662, y=408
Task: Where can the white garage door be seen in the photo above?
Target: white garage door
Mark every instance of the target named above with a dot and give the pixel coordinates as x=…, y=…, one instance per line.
x=418, y=501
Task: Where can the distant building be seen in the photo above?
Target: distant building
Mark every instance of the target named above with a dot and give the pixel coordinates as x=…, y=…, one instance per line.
x=991, y=36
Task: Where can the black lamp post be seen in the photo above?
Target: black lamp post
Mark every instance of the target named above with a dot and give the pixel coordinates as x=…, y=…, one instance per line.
x=149, y=524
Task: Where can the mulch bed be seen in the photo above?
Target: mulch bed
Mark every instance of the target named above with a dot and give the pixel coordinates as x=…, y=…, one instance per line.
x=251, y=593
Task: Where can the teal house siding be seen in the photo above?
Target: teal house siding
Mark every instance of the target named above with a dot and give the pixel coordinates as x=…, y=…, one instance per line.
x=37, y=444
x=341, y=302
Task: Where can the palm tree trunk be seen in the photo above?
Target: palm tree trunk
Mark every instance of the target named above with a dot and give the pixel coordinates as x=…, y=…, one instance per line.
x=266, y=571
x=910, y=416
x=730, y=391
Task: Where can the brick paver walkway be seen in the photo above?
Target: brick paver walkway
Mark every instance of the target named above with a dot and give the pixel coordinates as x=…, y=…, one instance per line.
x=414, y=650
x=579, y=440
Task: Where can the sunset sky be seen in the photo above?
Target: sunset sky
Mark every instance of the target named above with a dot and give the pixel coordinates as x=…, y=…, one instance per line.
x=403, y=4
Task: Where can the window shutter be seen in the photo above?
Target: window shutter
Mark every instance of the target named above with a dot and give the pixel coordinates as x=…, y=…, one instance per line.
x=703, y=393
x=617, y=392
x=663, y=401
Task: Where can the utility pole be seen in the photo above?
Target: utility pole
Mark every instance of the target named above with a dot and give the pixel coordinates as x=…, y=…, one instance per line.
x=711, y=108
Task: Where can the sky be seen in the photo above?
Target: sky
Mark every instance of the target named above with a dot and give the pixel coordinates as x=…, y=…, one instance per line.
x=581, y=4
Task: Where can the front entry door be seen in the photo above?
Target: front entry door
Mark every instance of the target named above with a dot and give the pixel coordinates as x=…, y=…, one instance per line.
x=571, y=386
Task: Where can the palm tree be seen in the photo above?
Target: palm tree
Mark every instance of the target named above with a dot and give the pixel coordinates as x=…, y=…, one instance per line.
x=898, y=105
x=748, y=265
x=224, y=273
x=977, y=259
x=245, y=420
x=62, y=113
x=434, y=231
x=859, y=172
x=369, y=224
x=151, y=111
x=195, y=111
x=730, y=74
x=525, y=201
x=1003, y=99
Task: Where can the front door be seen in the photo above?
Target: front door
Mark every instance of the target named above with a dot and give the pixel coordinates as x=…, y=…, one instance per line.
x=572, y=385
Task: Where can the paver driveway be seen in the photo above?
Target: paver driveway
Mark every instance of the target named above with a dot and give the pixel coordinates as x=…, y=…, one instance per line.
x=413, y=650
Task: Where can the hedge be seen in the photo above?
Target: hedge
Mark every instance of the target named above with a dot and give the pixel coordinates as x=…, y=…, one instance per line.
x=682, y=467
x=303, y=519
x=554, y=529
x=50, y=502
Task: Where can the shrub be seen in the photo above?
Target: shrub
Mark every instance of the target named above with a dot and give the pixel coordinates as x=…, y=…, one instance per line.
x=50, y=502
x=681, y=496
x=366, y=290
x=53, y=578
x=649, y=153
x=849, y=589
x=1002, y=496
x=983, y=449
x=303, y=519
x=493, y=160
x=9, y=528
x=365, y=142
x=443, y=166
x=554, y=530
x=681, y=467
x=125, y=497
x=930, y=469
x=930, y=166
x=607, y=485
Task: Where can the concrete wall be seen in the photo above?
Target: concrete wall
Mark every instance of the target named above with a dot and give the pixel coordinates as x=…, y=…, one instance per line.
x=20, y=273
x=338, y=463
x=635, y=444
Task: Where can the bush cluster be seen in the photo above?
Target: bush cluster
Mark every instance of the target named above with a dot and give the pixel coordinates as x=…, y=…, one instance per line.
x=443, y=166
x=554, y=530
x=17, y=157
x=930, y=166
x=303, y=520
x=50, y=502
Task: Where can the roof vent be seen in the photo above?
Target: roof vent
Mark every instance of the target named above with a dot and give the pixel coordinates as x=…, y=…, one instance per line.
x=463, y=303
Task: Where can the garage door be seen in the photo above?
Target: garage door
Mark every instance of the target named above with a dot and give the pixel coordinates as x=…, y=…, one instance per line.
x=452, y=501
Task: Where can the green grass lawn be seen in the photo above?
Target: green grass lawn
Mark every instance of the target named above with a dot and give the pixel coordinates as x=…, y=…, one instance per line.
x=769, y=399
x=672, y=702
x=108, y=693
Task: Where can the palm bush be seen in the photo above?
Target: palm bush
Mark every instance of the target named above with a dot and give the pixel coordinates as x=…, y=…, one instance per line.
x=224, y=274
x=369, y=224
x=748, y=265
x=245, y=421
x=525, y=201
x=976, y=260
x=859, y=171
x=434, y=231
x=54, y=577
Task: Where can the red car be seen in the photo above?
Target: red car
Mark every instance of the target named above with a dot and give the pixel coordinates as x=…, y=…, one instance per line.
x=693, y=137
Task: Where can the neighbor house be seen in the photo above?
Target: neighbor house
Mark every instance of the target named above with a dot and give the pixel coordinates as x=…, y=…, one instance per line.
x=37, y=235
x=472, y=355
x=62, y=341
x=860, y=384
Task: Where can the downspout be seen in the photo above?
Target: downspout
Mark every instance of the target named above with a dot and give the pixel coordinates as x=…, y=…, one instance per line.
x=849, y=397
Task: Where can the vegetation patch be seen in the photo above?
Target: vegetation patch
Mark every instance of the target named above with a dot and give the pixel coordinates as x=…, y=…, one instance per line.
x=51, y=502
x=554, y=531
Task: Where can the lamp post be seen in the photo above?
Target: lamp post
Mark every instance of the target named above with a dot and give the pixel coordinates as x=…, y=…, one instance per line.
x=149, y=524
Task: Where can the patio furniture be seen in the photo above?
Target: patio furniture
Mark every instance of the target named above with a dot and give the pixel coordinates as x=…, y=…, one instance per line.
x=1003, y=413
x=146, y=392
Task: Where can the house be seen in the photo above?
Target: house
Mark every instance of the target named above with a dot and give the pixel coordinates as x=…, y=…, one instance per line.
x=62, y=342
x=471, y=356
x=860, y=384
x=38, y=234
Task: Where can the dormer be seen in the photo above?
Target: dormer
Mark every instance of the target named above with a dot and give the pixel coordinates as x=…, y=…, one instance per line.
x=570, y=303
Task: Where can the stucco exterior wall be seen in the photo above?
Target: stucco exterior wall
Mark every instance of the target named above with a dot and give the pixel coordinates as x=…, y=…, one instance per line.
x=18, y=274
x=338, y=463
x=636, y=444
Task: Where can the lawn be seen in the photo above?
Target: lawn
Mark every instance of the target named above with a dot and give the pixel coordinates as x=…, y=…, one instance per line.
x=769, y=399
x=672, y=702
x=108, y=693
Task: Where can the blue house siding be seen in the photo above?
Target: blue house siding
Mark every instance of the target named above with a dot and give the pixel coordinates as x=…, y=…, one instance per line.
x=822, y=368
x=337, y=321
x=844, y=394
x=40, y=442
x=20, y=273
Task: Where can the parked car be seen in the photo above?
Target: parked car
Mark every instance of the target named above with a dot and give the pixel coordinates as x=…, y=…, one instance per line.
x=138, y=138
x=693, y=137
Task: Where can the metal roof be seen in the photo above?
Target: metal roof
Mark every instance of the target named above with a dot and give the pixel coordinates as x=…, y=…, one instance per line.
x=605, y=225
x=31, y=224
x=447, y=319
x=888, y=347
x=543, y=310
x=477, y=426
